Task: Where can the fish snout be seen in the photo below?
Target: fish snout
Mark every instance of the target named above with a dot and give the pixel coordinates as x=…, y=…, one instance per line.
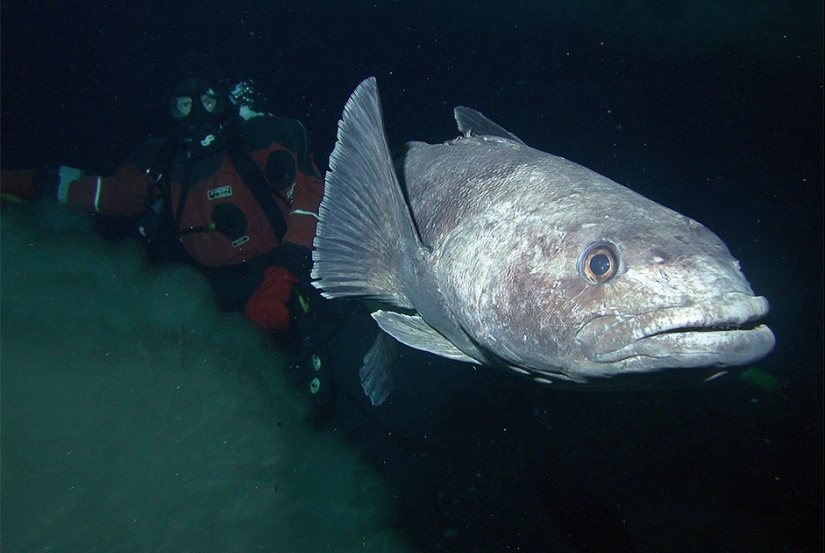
x=722, y=330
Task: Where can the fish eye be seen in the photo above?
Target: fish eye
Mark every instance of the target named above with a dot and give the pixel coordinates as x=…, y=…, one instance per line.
x=599, y=263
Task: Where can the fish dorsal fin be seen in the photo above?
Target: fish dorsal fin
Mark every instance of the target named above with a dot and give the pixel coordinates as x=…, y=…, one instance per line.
x=473, y=123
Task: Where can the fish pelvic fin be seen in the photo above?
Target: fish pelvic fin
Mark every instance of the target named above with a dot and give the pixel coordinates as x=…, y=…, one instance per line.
x=365, y=229
x=376, y=372
x=414, y=331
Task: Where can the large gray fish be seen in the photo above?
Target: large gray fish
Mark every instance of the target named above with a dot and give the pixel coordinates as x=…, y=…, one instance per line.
x=485, y=250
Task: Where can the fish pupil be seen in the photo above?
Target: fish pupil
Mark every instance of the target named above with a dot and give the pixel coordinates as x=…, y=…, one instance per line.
x=600, y=264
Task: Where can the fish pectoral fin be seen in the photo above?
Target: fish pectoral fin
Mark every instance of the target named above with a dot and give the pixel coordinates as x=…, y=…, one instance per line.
x=376, y=373
x=414, y=332
x=365, y=228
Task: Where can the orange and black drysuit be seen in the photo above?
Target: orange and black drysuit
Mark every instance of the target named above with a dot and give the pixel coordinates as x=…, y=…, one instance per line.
x=245, y=216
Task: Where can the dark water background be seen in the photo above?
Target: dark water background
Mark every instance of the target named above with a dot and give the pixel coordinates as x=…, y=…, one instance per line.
x=711, y=108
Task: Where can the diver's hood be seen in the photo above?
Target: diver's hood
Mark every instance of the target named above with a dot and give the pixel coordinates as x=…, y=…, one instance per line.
x=201, y=110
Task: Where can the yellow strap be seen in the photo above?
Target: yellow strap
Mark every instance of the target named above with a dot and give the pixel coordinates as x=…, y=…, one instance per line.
x=303, y=301
x=5, y=197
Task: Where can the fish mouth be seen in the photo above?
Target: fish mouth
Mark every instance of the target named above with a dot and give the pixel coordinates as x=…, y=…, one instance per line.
x=720, y=331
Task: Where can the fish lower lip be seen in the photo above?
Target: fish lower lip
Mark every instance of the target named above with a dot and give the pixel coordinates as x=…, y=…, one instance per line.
x=723, y=330
x=695, y=348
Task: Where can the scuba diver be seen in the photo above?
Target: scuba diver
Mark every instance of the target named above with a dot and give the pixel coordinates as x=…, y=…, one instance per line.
x=235, y=194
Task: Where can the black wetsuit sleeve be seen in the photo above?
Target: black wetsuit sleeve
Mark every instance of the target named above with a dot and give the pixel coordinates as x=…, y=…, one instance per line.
x=259, y=132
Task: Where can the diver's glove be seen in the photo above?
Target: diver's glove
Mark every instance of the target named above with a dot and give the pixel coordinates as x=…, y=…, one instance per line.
x=17, y=186
x=271, y=304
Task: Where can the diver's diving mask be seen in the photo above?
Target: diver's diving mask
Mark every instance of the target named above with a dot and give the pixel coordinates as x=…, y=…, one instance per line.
x=206, y=99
